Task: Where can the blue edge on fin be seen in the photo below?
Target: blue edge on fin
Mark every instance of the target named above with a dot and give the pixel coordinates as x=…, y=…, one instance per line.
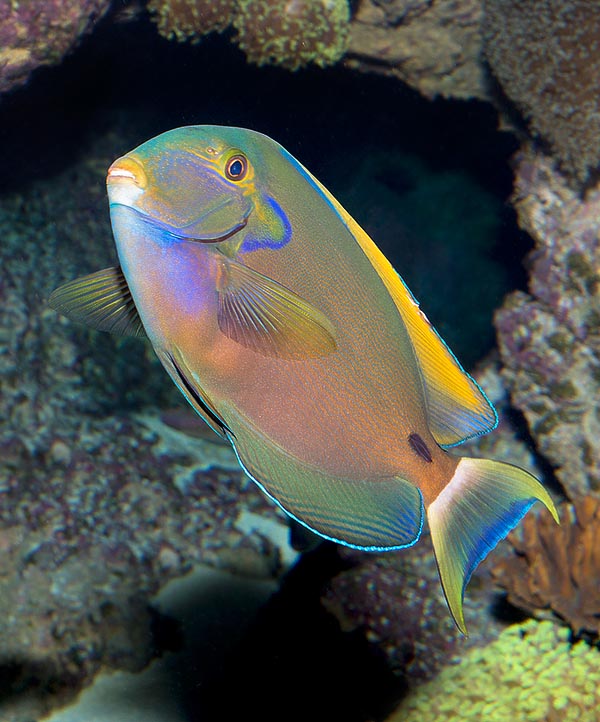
x=503, y=525
x=315, y=531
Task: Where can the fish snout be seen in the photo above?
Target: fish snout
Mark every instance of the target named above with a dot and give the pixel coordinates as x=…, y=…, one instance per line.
x=126, y=181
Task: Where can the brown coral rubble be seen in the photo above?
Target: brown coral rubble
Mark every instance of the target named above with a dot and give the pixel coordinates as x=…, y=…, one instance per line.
x=557, y=569
x=434, y=47
x=546, y=56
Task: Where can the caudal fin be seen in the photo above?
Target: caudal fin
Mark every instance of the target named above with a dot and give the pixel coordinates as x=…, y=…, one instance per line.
x=483, y=501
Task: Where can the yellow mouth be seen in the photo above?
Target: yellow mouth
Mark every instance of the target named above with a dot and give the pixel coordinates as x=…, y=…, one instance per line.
x=126, y=170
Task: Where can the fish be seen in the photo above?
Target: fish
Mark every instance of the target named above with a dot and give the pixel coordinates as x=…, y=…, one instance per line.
x=292, y=336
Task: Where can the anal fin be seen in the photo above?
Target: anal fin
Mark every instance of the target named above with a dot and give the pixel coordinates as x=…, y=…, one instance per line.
x=374, y=514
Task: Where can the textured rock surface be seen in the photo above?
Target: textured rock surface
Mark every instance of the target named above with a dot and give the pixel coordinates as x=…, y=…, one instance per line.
x=395, y=599
x=546, y=56
x=432, y=45
x=35, y=33
x=549, y=338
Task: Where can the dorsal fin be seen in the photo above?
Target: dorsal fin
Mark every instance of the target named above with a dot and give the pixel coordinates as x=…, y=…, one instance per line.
x=457, y=407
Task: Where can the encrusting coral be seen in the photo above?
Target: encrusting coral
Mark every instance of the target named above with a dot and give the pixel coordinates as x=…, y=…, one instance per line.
x=546, y=56
x=531, y=672
x=549, y=338
x=292, y=33
x=557, y=569
x=191, y=19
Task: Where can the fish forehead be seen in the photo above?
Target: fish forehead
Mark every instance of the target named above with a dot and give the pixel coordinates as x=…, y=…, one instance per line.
x=207, y=142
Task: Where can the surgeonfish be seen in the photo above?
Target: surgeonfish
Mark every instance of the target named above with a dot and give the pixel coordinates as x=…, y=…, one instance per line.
x=291, y=335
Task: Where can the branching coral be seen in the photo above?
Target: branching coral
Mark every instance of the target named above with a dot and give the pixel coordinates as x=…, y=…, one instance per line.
x=292, y=33
x=191, y=19
x=546, y=56
x=549, y=339
x=557, y=569
x=530, y=672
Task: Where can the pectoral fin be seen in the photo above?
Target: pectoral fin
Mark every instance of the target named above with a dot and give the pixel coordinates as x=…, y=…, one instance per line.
x=261, y=314
x=101, y=300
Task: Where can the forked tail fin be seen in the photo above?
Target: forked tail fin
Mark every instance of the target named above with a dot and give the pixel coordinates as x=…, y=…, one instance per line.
x=483, y=501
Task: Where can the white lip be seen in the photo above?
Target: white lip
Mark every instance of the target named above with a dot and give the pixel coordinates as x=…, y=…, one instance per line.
x=121, y=173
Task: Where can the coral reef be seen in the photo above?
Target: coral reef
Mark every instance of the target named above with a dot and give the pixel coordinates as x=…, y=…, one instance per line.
x=292, y=33
x=41, y=33
x=434, y=47
x=102, y=503
x=531, y=672
x=191, y=19
x=557, y=570
x=549, y=338
x=546, y=56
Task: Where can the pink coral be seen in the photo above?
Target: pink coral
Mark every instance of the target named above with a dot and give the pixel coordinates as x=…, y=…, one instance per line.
x=37, y=33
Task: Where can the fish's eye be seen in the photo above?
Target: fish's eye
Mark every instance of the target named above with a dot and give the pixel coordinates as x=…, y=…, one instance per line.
x=236, y=168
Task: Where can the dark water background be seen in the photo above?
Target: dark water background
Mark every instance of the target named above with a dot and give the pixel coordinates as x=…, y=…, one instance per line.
x=428, y=180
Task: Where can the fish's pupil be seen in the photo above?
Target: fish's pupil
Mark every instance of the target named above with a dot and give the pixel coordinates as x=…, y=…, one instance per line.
x=236, y=168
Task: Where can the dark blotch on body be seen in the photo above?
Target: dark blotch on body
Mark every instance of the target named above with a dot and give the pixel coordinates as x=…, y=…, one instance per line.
x=420, y=447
